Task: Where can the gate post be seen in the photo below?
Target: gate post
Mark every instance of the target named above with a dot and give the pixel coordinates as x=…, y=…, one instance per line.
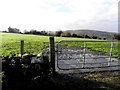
x=21, y=47
x=52, y=54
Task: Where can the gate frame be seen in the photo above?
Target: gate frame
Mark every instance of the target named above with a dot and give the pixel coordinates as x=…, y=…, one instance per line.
x=83, y=64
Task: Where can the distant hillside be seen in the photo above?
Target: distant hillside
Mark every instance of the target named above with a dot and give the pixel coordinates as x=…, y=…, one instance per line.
x=91, y=32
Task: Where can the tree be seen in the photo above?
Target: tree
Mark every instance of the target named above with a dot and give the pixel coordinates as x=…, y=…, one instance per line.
x=74, y=35
x=35, y=32
x=116, y=36
x=43, y=33
x=86, y=36
x=94, y=37
x=80, y=35
x=104, y=38
x=65, y=34
x=58, y=33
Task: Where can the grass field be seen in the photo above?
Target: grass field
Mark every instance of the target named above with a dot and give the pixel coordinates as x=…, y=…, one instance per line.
x=34, y=43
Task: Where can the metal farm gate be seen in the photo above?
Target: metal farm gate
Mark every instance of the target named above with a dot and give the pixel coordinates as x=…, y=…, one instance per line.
x=78, y=54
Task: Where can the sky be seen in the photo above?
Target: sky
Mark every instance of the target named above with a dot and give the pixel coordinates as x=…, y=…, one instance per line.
x=52, y=15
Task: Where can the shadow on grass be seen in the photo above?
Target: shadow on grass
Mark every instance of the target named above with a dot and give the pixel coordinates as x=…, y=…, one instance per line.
x=59, y=82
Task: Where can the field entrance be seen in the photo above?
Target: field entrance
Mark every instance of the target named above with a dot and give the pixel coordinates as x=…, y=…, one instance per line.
x=87, y=55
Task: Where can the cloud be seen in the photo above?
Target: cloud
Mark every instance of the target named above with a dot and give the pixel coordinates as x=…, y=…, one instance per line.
x=59, y=14
x=100, y=15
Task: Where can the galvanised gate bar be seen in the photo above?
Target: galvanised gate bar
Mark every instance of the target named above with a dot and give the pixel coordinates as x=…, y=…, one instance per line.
x=78, y=54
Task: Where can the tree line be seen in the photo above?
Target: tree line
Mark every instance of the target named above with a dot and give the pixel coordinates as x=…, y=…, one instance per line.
x=80, y=35
x=68, y=34
x=35, y=32
x=62, y=34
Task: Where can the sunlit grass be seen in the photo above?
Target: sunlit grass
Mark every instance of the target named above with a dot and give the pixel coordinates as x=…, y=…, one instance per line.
x=34, y=43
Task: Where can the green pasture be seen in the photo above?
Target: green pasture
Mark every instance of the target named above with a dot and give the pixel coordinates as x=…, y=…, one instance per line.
x=34, y=43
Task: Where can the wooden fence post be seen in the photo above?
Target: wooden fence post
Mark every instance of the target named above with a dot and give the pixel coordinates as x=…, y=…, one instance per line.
x=21, y=47
x=52, y=54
